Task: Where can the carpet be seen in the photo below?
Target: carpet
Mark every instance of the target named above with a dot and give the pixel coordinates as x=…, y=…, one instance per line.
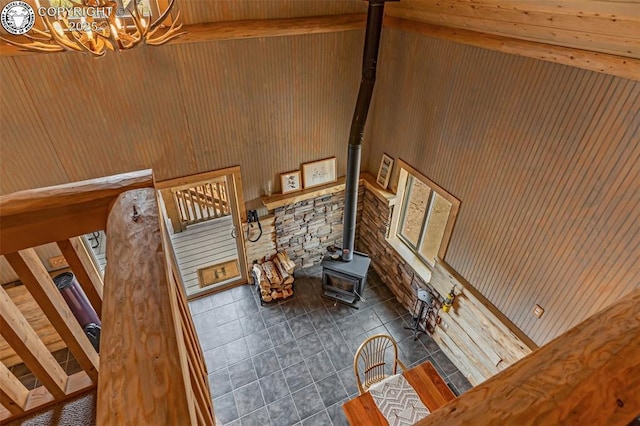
x=79, y=411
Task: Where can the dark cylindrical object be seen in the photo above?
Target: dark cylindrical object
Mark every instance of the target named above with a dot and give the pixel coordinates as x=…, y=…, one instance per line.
x=79, y=305
x=350, y=202
x=356, y=135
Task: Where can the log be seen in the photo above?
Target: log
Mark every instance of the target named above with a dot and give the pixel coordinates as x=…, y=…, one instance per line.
x=144, y=372
x=257, y=271
x=263, y=283
x=286, y=262
x=286, y=278
x=271, y=272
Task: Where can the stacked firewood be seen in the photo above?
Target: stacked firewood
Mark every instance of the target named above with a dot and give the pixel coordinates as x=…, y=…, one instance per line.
x=275, y=277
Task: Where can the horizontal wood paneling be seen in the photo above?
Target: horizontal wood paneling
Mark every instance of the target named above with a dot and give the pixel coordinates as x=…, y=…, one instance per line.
x=201, y=245
x=265, y=246
x=544, y=159
x=266, y=104
x=589, y=375
x=201, y=11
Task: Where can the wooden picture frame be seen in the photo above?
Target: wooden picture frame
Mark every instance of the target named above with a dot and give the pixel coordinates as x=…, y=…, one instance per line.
x=291, y=181
x=384, y=171
x=319, y=173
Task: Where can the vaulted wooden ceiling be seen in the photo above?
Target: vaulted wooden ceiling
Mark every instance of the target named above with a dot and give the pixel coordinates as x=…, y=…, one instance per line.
x=602, y=26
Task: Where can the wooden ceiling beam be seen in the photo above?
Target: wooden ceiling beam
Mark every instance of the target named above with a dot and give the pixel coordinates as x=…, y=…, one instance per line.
x=575, y=24
x=234, y=30
x=593, y=61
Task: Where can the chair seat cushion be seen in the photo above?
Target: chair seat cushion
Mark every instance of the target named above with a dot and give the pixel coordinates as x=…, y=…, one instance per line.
x=398, y=401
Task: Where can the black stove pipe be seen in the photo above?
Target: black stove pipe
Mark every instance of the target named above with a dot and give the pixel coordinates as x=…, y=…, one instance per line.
x=356, y=135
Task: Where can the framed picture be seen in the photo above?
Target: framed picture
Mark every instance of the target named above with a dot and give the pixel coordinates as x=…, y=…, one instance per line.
x=291, y=182
x=319, y=172
x=384, y=172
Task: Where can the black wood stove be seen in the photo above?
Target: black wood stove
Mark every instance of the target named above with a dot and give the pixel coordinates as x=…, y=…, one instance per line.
x=345, y=281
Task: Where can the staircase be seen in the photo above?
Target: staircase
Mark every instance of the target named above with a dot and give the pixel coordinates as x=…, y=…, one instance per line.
x=208, y=200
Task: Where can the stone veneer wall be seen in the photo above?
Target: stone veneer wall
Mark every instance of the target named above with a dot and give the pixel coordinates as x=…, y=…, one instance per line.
x=373, y=226
x=305, y=229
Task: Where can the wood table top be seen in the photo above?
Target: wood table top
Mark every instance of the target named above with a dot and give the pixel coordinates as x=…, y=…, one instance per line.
x=426, y=381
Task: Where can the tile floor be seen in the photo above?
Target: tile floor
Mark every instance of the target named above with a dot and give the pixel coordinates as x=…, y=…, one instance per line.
x=29, y=380
x=291, y=363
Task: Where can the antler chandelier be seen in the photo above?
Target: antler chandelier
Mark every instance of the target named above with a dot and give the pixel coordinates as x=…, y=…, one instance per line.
x=96, y=26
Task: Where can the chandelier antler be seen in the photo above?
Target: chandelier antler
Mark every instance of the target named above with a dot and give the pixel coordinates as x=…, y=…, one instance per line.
x=95, y=26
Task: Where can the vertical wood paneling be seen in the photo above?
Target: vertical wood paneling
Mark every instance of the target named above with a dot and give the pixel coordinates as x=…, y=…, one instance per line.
x=545, y=160
x=270, y=104
x=266, y=104
x=114, y=114
x=19, y=122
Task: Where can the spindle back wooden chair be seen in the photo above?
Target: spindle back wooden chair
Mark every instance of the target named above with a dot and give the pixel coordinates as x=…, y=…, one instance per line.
x=374, y=353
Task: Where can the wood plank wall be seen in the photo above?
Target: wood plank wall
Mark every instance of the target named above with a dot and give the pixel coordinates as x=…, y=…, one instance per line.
x=545, y=161
x=266, y=104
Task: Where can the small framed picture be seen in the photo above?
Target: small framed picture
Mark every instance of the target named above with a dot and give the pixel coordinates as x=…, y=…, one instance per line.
x=384, y=173
x=319, y=172
x=291, y=182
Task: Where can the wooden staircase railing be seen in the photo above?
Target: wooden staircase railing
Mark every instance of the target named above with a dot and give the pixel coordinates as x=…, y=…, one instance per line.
x=206, y=201
x=150, y=369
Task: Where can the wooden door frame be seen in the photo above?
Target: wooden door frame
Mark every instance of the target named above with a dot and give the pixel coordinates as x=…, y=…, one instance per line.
x=236, y=204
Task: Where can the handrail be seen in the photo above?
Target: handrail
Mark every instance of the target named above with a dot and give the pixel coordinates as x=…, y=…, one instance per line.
x=151, y=368
x=201, y=202
x=588, y=375
x=60, y=214
x=38, y=216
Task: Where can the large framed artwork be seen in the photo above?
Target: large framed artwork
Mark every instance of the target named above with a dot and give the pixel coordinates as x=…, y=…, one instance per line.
x=319, y=172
